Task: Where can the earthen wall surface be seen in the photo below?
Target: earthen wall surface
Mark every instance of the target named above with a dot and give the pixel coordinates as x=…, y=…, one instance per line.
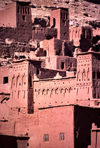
x=8, y=16
x=49, y=92
x=54, y=121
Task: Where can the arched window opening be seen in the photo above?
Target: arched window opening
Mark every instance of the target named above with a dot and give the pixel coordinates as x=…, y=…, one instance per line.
x=52, y=91
x=39, y=92
x=66, y=90
x=24, y=79
x=19, y=81
x=69, y=90
x=44, y=92
x=62, y=90
x=56, y=91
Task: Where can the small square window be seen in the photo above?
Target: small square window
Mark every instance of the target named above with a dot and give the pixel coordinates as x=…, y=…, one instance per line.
x=62, y=136
x=46, y=137
x=5, y=80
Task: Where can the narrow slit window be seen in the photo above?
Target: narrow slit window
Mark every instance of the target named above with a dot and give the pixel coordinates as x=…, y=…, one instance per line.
x=62, y=65
x=28, y=11
x=23, y=10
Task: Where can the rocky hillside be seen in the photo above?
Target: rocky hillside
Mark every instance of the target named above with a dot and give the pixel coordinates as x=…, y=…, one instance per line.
x=81, y=12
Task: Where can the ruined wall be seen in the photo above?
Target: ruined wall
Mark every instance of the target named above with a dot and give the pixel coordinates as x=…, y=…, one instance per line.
x=75, y=35
x=41, y=33
x=8, y=16
x=18, y=34
x=18, y=16
x=38, y=33
x=58, y=47
x=82, y=37
x=43, y=73
x=17, y=49
x=86, y=38
x=64, y=63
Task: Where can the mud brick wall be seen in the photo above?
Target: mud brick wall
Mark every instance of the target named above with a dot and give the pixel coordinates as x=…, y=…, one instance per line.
x=41, y=33
x=18, y=34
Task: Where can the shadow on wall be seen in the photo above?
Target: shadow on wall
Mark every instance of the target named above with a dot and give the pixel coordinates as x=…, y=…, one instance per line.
x=94, y=1
x=13, y=142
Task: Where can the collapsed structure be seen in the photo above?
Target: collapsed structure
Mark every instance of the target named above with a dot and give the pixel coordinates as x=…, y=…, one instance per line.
x=49, y=81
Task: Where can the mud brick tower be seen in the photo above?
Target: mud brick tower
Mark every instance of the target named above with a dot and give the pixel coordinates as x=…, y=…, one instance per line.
x=60, y=20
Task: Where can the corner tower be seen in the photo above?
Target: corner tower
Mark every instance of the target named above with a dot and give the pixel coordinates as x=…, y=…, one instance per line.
x=60, y=19
x=88, y=78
